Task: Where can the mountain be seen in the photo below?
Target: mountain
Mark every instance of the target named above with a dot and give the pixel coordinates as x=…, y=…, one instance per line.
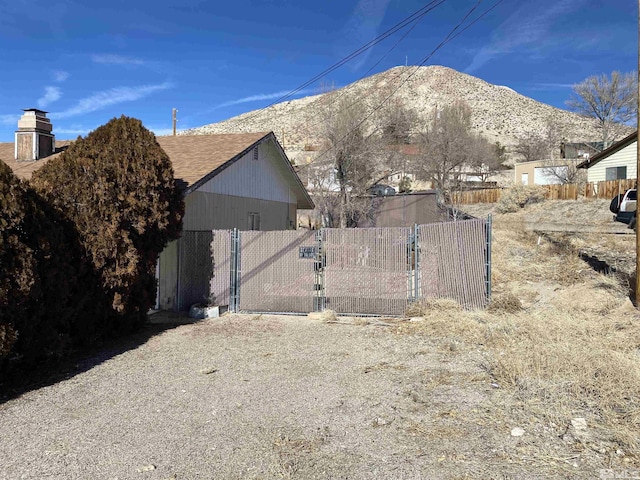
x=498, y=113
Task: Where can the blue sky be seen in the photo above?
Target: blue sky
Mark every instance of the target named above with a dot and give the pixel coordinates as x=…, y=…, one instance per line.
x=87, y=62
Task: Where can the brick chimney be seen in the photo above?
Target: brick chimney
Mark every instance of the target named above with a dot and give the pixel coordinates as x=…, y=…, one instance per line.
x=34, y=139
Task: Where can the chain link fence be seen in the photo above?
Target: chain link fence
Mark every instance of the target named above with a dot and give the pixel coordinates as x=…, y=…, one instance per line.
x=367, y=271
x=276, y=271
x=351, y=271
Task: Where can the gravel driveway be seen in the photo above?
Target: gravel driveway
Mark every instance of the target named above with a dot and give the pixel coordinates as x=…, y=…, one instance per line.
x=249, y=396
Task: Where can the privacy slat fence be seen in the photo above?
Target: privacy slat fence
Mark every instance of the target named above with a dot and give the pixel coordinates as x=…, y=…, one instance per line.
x=367, y=270
x=221, y=264
x=444, y=272
x=352, y=271
x=570, y=191
x=272, y=276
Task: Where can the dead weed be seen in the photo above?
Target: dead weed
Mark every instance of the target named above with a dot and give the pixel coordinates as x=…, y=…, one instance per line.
x=575, y=352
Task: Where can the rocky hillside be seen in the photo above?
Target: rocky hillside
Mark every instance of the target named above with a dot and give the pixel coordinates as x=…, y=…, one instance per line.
x=499, y=113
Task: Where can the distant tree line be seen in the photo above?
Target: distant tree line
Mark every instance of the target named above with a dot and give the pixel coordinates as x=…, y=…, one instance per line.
x=79, y=243
x=360, y=152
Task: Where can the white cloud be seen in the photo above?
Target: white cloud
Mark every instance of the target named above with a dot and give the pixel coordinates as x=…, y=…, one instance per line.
x=60, y=76
x=51, y=94
x=113, y=96
x=259, y=97
x=72, y=131
x=110, y=59
x=531, y=25
x=551, y=86
x=363, y=26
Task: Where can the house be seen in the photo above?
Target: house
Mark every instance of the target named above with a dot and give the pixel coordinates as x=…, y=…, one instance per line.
x=545, y=172
x=242, y=181
x=617, y=162
x=581, y=150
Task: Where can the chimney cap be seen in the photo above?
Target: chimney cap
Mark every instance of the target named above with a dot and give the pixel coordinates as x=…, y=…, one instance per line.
x=37, y=110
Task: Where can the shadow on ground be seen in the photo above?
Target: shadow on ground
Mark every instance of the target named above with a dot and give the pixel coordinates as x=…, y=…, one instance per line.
x=20, y=381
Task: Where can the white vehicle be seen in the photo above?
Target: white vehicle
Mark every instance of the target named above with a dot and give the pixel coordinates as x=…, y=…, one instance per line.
x=624, y=207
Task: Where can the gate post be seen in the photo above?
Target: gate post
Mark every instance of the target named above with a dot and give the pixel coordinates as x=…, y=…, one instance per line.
x=416, y=264
x=234, y=287
x=320, y=264
x=488, y=228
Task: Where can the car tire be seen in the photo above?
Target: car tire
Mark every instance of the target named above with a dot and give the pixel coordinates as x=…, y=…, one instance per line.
x=632, y=223
x=614, y=206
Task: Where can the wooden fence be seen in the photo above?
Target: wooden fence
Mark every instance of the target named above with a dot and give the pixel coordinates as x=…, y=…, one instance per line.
x=608, y=190
x=567, y=191
x=486, y=195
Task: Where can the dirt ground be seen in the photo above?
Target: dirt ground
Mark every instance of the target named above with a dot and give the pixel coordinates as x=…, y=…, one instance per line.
x=541, y=385
x=261, y=396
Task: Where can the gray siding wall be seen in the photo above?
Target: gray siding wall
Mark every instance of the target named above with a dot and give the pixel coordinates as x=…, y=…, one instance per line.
x=262, y=178
x=210, y=211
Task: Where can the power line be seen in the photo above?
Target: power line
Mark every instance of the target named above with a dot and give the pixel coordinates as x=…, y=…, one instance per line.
x=365, y=74
x=450, y=36
x=414, y=17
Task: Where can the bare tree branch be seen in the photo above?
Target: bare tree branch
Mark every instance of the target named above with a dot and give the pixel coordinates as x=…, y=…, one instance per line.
x=612, y=102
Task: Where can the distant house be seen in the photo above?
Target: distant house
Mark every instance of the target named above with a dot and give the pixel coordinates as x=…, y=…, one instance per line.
x=617, y=162
x=242, y=181
x=544, y=172
x=581, y=150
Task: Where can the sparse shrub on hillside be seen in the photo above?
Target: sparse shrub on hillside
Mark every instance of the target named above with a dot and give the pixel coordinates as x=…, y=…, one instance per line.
x=116, y=187
x=518, y=197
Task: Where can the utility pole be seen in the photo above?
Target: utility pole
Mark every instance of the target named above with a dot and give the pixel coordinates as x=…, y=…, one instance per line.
x=175, y=110
x=637, y=172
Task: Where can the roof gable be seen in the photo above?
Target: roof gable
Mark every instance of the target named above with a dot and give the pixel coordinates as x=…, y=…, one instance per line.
x=195, y=159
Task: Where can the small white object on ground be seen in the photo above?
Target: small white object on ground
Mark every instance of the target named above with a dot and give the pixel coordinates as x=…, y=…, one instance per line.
x=579, y=423
x=517, y=432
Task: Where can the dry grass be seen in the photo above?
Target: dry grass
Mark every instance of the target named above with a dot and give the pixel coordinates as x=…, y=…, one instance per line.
x=518, y=197
x=505, y=303
x=561, y=340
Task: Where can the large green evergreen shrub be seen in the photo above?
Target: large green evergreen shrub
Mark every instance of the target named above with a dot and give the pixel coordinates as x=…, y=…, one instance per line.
x=116, y=186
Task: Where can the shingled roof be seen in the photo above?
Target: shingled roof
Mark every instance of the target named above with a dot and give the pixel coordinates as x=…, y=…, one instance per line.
x=25, y=169
x=195, y=159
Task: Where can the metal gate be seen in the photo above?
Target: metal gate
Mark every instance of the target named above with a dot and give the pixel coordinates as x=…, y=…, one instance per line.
x=276, y=271
x=195, y=268
x=351, y=271
x=367, y=270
